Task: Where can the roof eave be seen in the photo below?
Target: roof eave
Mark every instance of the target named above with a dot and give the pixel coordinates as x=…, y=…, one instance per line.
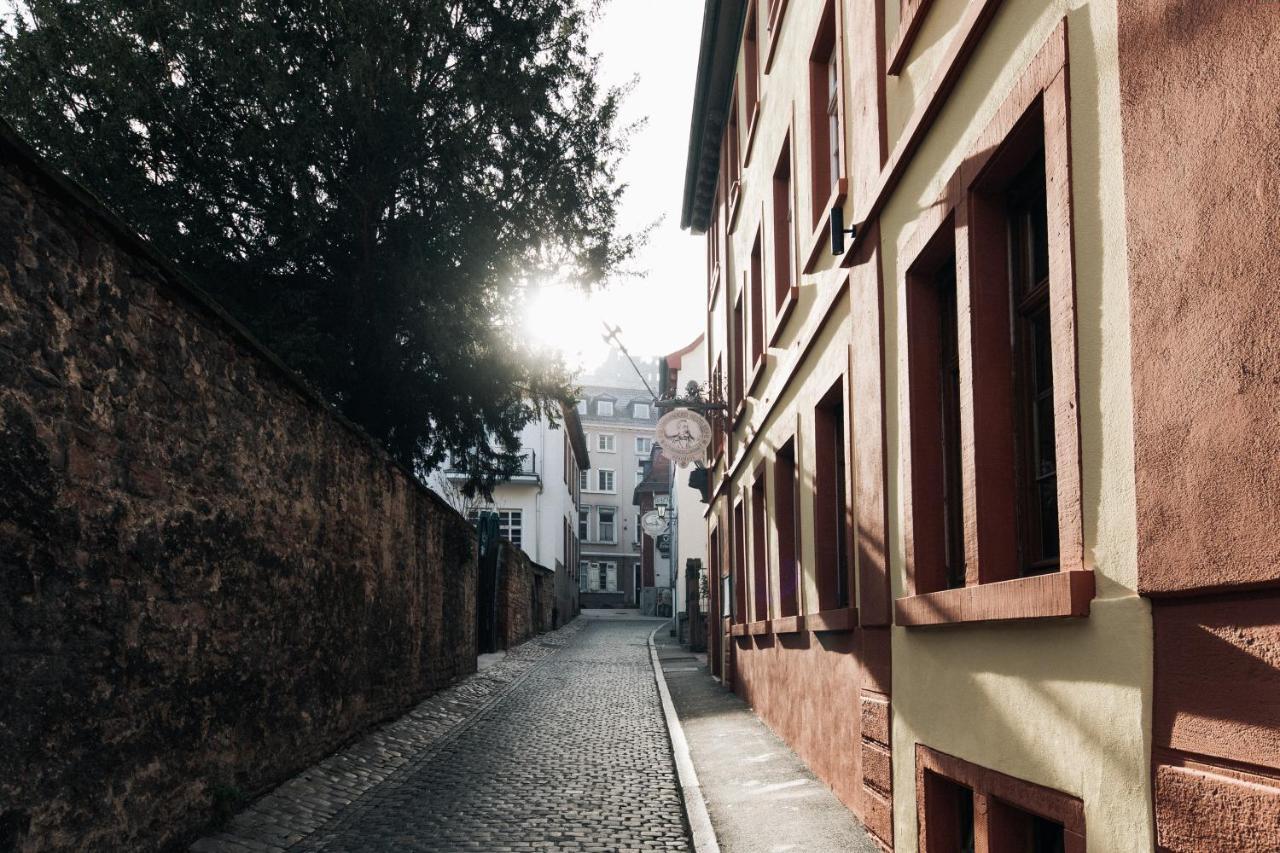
x=722, y=22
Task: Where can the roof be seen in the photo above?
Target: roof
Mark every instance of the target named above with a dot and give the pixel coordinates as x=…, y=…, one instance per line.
x=577, y=438
x=722, y=22
x=621, y=397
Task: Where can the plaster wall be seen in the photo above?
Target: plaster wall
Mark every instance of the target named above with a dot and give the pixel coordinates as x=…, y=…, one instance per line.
x=1065, y=704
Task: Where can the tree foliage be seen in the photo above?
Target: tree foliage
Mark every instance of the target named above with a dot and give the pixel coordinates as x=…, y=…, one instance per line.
x=364, y=183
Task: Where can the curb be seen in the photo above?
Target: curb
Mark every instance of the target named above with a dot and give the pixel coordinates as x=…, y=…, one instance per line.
x=695, y=807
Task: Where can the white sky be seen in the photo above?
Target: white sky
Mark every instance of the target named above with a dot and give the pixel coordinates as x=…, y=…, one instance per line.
x=655, y=41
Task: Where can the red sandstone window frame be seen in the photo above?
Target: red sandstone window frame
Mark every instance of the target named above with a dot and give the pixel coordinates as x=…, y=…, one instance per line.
x=911, y=15
x=714, y=263
x=785, y=502
x=738, y=568
x=777, y=11
x=786, y=272
x=993, y=592
x=751, y=77
x=995, y=797
x=830, y=484
x=759, y=554
x=753, y=284
x=826, y=190
x=731, y=174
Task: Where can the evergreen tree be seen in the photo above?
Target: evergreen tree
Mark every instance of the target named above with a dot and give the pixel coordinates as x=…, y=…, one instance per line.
x=364, y=183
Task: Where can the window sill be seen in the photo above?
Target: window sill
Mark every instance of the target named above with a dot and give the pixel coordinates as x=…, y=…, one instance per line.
x=738, y=629
x=758, y=629
x=788, y=624
x=752, y=127
x=821, y=237
x=842, y=619
x=1052, y=596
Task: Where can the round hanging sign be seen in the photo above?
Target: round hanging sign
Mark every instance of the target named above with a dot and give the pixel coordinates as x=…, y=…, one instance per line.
x=653, y=524
x=683, y=435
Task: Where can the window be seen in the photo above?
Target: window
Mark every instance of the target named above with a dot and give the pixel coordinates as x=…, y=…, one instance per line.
x=583, y=484
x=785, y=506
x=934, y=354
x=584, y=576
x=640, y=411
x=640, y=475
x=582, y=407
x=604, y=408
x=733, y=157
x=1027, y=219
x=636, y=537
x=644, y=445
x=826, y=128
x=963, y=802
x=994, y=431
x=509, y=523
x=606, y=524
x=755, y=284
x=584, y=524
x=604, y=480
x=831, y=503
x=737, y=367
x=605, y=442
x=784, y=258
x=739, y=568
x=751, y=52
x=759, y=551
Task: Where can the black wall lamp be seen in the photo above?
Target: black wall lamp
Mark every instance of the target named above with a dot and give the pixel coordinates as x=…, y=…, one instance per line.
x=838, y=230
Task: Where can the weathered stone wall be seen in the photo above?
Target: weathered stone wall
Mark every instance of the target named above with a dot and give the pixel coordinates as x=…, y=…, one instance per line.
x=526, y=595
x=207, y=579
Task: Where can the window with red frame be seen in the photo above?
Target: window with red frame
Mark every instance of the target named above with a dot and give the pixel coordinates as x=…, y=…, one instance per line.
x=784, y=256
x=739, y=568
x=826, y=129
x=759, y=551
x=785, y=507
x=755, y=286
x=831, y=501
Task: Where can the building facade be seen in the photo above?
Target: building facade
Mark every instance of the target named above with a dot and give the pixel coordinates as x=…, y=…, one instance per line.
x=618, y=423
x=538, y=508
x=993, y=506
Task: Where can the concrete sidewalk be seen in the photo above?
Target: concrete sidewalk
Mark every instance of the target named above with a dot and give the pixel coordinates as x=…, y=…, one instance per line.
x=760, y=795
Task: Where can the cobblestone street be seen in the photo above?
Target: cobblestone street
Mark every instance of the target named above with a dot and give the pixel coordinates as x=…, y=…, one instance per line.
x=560, y=745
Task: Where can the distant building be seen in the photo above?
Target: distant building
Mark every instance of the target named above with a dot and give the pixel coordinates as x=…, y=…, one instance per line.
x=653, y=493
x=619, y=423
x=538, y=507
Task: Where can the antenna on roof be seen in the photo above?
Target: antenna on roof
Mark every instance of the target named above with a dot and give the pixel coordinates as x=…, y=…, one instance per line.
x=613, y=335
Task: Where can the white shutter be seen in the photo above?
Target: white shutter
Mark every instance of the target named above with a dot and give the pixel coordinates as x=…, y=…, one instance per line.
x=593, y=578
x=612, y=571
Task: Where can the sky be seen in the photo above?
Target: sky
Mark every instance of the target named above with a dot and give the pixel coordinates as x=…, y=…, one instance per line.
x=660, y=311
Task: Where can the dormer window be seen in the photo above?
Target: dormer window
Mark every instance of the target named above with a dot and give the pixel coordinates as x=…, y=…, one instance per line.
x=604, y=408
x=582, y=407
x=640, y=411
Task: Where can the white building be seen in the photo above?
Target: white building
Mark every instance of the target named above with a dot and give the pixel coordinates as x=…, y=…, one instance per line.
x=619, y=423
x=538, y=507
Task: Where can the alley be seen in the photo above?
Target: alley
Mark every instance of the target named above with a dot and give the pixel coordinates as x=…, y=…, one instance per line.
x=559, y=746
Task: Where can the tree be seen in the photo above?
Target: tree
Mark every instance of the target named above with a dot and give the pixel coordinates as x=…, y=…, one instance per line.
x=365, y=183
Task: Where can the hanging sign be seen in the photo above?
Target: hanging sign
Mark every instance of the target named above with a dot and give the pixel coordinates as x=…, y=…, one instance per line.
x=683, y=435
x=653, y=524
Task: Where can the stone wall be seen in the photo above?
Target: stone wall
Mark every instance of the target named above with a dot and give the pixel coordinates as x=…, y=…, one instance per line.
x=526, y=594
x=207, y=579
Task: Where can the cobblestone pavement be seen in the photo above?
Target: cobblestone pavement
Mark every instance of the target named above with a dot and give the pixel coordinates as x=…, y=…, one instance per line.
x=561, y=745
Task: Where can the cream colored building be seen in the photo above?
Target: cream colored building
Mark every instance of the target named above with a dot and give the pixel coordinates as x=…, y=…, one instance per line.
x=924, y=498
